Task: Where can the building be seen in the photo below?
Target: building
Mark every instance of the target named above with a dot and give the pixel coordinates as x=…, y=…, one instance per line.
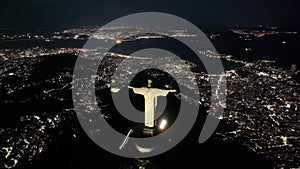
x=293, y=67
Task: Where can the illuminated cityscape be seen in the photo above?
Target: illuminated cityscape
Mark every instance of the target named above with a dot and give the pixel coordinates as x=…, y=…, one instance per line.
x=261, y=111
x=42, y=43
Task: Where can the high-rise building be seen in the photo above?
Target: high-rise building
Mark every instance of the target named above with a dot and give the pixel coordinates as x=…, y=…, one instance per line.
x=293, y=67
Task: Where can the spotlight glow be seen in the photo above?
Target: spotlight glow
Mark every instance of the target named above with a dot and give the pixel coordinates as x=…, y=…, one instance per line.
x=163, y=124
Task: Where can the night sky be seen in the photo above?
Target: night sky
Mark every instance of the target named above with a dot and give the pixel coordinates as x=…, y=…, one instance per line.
x=70, y=13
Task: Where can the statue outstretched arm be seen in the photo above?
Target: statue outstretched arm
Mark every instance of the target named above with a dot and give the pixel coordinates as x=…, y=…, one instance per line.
x=137, y=90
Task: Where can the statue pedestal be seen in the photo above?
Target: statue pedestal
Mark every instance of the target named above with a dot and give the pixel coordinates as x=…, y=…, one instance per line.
x=149, y=131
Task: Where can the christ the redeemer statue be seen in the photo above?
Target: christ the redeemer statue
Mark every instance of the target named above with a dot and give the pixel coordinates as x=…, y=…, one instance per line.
x=150, y=95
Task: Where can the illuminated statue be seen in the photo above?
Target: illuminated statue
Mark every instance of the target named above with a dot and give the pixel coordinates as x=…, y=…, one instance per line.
x=150, y=95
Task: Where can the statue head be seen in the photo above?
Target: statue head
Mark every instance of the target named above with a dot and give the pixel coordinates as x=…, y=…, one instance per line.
x=149, y=82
